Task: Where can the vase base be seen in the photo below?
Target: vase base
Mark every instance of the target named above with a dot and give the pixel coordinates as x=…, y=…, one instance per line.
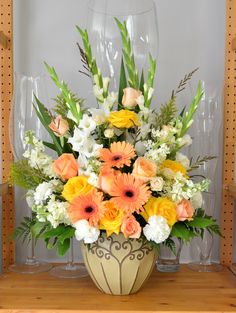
x=206, y=267
x=31, y=266
x=69, y=271
x=169, y=268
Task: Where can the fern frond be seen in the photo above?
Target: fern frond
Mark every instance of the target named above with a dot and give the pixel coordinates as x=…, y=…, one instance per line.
x=23, y=231
x=167, y=112
x=183, y=83
x=200, y=161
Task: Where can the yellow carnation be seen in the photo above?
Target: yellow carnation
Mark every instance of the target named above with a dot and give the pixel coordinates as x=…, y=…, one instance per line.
x=173, y=167
x=112, y=220
x=124, y=119
x=76, y=186
x=160, y=206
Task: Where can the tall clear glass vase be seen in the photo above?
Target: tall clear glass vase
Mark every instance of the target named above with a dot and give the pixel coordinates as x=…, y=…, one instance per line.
x=207, y=134
x=22, y=119
x=141, y=19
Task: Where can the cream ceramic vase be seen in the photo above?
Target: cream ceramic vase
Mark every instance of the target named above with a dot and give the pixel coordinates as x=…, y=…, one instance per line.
x=117, y=265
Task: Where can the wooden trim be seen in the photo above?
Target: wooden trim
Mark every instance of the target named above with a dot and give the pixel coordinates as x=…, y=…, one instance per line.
x=229, y=175
x=3, y=40
x=6, y=81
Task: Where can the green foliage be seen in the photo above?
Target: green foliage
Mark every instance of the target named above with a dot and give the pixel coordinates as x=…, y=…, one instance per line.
x=128, y=55
x=123, y=83
x=23, y=231
x=200, y=161
x=183, y=83
x=65, y=93
x=150, y=81
x=188, y=116
x=24, y=176
x=141, y=83
x=45, y=119
x=167, y=113
x=169, y=243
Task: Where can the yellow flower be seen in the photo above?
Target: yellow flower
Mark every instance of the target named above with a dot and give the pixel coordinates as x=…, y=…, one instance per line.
x=124, y=119
x=169, y=168
x=76, y=186
x=160, y=206
x=112, y=220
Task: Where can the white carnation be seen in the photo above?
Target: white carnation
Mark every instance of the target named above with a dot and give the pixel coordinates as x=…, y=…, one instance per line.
x=182, y=159
x=85, y=232
x=157, y=229
x=157, y=184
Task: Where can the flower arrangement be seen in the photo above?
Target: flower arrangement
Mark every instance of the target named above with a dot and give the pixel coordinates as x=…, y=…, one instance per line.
x=118, y=167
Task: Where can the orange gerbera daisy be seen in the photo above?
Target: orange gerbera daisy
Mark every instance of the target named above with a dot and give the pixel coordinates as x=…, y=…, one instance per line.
x=119, y=154
x=88, y=207
x=129, y=193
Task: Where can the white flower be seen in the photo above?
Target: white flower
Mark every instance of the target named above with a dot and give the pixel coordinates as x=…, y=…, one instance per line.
x=150, y=93
x=42, y=192
x=87, y=124
x=98, y=92
x=140, y=102
x=197, y=200
x=183, y=159
x=78, y=139
x=105, y=81
x=58, y=213
x=93, y=179
x=157, y=184
x=83, y=231
x=186, y=140
x=109, y=133
x=30, y=198
x=140, y=148
x=99, y=115
x=109, y=102
x=157, y=229
x=83, y=163
x=90, y=148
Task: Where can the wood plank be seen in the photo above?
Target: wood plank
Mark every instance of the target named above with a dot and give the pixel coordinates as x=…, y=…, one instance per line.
x=185, y=291
x=3, y=40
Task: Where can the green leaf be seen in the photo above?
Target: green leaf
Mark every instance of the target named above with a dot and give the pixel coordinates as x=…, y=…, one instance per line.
x=180, y=230
x=141, y=84
x=201, y=222
x=62, y=248
x=67, y=234
x=50, y=145
x=123, y=83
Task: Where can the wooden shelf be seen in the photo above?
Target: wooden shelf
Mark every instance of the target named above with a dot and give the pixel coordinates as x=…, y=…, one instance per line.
x=185, y=291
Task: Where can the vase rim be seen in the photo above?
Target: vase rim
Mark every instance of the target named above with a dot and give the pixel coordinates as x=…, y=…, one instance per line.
x=149, y=6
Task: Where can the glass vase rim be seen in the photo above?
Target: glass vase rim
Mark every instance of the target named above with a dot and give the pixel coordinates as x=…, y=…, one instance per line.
x=29, y=77
x=152, y=7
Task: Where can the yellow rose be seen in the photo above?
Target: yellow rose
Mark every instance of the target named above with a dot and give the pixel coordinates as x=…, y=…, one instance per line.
x=76, y=186
x=124, y=119
x=160, y=206
x=169, y=168
x=112, y=219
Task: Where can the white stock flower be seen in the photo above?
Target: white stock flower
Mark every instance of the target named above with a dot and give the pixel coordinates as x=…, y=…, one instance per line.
x=58, y=213
x=157, y=229
x=87, y=124
x=109, y=133
x=157, y=184
x=183, y=159
x=85, y=232
x=197, y=200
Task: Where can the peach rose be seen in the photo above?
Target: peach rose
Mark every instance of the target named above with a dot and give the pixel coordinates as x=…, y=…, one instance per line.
x=144, y=169
x=130, y=97
x=106, y=178
x=131, y=228
x=184, y=211
x=59, y=126
x=66, y=166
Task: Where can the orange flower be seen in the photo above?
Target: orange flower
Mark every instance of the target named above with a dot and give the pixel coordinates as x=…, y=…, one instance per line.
x=59, y=126
x=131, y=228
x=129, y=193
x=184, y=211
x=66, y=166
x=88, y=207
x=130, y=96
x=106, y=178
x=144, y=169
x=119, y=154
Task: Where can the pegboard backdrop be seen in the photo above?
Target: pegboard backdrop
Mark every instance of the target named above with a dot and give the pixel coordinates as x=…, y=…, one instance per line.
x=6, y=81
x=229, y=135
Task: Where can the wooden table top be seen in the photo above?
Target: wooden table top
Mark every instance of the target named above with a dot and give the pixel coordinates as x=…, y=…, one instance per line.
x=185, y=291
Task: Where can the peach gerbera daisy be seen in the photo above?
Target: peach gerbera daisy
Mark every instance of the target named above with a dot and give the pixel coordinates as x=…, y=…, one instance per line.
x=119, y=154
x=89, y=207
x=129, y=193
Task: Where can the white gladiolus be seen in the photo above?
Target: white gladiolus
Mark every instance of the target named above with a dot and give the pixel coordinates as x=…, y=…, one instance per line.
x=157, y=229
x=150, y=93
x=78, y=139
x=182, y=159
x=87, y=124
x=140, y=102
x=186, y=140
x=157, y=184
x=85, y=232
x=106, y=81
x=98, y=92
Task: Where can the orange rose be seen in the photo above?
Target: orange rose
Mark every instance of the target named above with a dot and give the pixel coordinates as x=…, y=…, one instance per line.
x=59, y=126
x=66, y=166
x=106, y=178
x=184, y=211
x=130, y=96
x=144, y=169
x=131, y=228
